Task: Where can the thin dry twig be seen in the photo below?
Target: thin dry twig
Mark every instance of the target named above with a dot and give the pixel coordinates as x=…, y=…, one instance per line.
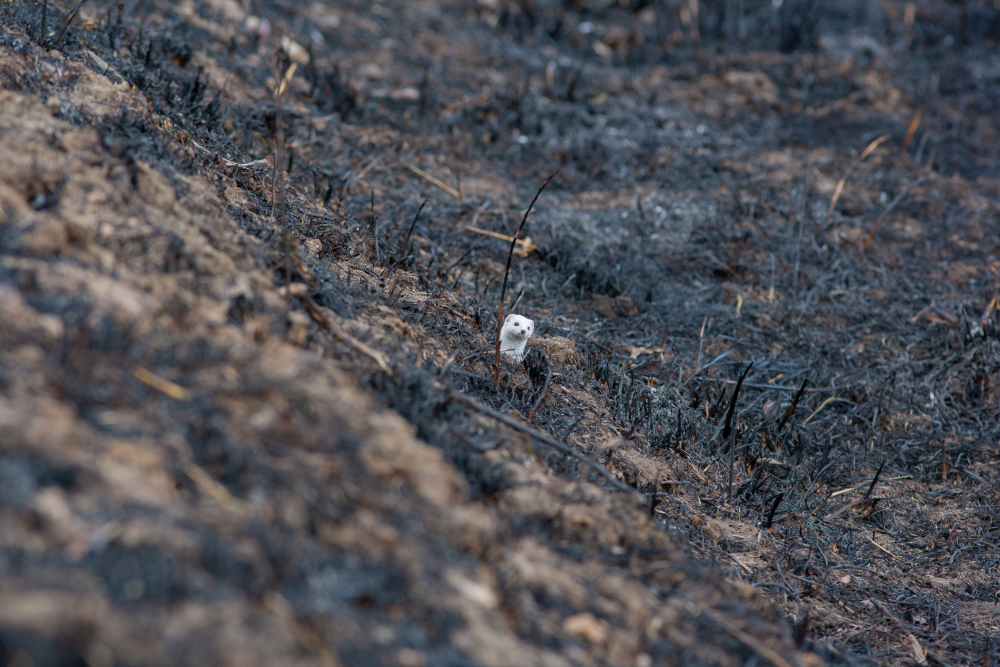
x=278, y=196
x=914, y=124
x=861, y=158
x=437, y=181
x=727, y=430
x=545, y=390
x=506, y=273
x=41, y=28
x=527, y=245
x=162, y=385
x=541, y=437
x=846, y=100
x=406, y=246
x=364, y=172
x=406, y=242
x=218, y=492
x=69, y=19
x=758, y=646
x=817, y=410
x=791, y=408
x=704, y=368
x=327, y=323
x=871, y=487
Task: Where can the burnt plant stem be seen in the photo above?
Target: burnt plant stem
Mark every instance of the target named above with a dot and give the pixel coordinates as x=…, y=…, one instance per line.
x=732, y=403
x=714, y=410
x=791, y=408
x=635, y=424
x=406, y=242
x=728, y=430
x=545, y=389
x=541, y=437
x=41, y=28
x=571, y=427
x=506, y=273
x=278, y=192
x=378, y=255
x=406, y=245
x=871, y=487
x=69, y=19
x=774, y=508
x=732, y=464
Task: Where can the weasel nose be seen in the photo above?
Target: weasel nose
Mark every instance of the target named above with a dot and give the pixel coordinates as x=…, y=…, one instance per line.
x=524, y=331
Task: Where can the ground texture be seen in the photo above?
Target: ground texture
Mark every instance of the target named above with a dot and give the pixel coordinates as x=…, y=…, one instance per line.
x=253, y=416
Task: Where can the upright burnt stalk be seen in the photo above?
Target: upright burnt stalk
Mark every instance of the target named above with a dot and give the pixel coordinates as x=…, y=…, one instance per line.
x=41, y=28
x=278, y=186
x=727, y=430
x=506, y=273
x=791, y=408
x=406, y=243
x=69, y=19
x=871, y=487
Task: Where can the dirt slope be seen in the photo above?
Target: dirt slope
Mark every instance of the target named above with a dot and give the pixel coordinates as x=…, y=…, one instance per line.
x=225, y=445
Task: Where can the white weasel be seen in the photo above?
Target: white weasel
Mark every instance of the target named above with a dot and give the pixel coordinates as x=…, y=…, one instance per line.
x=514, y=333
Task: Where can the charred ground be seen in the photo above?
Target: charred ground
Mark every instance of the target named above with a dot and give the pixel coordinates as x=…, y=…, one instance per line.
x=223, y=446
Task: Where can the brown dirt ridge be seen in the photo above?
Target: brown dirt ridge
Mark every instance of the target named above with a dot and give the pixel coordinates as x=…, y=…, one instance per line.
x=250, y=260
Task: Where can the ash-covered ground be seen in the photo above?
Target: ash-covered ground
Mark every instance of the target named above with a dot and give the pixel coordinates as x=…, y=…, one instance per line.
x=252, y=415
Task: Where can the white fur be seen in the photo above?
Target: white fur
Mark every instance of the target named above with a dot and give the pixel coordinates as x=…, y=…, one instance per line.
x=514, y=334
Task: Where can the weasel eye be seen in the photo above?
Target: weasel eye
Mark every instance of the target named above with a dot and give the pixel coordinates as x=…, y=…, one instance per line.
x=517, y=324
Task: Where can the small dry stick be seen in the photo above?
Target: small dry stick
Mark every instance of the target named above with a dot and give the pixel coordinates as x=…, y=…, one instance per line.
x=278, y=192
x=770, y=292
x=41, y=31
x=693, y=10
x=912, y=129
x=527, y=245
x=871, y=487
x=171, y=389
x=755, y=644
x=791, y=408
x=728, y=430
x=545, y=389
x=69, y=19
x=817, y=410
x=707, y=366
x=843, y=180
x=541, y=437
x=406, y=242
x=506, y=273
x=406, y=245
x=774, y=508
x=701, y=344
x=378, y=255
x=327, y=323
x=436, y=181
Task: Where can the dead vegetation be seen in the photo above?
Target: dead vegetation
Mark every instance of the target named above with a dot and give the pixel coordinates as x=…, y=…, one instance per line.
x=759, y=424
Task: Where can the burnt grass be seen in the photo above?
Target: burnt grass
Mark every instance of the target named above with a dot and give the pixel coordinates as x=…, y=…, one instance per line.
x=252, y=420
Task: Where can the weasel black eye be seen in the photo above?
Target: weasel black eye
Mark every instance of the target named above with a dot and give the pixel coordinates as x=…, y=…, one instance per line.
x=517, y=324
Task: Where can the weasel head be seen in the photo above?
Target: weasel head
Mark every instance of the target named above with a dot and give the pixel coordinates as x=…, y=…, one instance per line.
x=516, y=329
x=514, y=335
